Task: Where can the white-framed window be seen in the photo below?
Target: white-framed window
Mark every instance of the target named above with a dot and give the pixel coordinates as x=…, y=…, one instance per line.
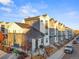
x=42, y=40
x=46, y=40
x=41, y=20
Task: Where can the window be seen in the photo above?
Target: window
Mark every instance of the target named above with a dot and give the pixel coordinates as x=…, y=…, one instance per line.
x=46, y=32
x=50, y=36
x=52, y=33
x=14, y=35
x=36, y=44
x=46, y=40
x=41, y=40
x=46, y=21
x=6, y=36
x=46, y=24
x=41, y=20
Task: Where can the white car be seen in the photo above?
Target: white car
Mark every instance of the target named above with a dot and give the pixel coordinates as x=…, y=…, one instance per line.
x=68, y=49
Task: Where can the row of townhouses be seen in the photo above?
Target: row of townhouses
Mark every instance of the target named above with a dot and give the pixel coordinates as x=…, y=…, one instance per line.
x=34, y=32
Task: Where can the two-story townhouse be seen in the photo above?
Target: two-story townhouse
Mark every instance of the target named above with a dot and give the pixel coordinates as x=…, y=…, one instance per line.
x=69, y=33
x=61, y=29
x=41, y=23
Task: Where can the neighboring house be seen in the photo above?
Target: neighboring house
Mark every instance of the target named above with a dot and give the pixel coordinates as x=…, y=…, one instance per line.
x=52, y=31
x=56, y=32
x=20, y=34
x=69, y=33
x=61, y=30
x=16, y=34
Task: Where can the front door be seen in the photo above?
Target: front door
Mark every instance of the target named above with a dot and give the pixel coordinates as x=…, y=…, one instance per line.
x=36, y=44
x=33, y=45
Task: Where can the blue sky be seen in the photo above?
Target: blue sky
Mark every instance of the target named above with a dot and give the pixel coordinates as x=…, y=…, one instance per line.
x=64, y=11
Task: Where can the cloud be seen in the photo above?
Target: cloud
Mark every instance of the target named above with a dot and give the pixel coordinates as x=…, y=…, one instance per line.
x=6, y=2
x=5, y=9
x=28, y=10
x=72, y=13
x=18, y=12
x=41, y=5
x=69, y=18
x=68, y=15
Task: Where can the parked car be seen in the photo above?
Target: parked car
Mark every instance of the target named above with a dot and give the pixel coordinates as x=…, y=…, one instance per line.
x=68, y=49
x=77, y=39
x=74, y=42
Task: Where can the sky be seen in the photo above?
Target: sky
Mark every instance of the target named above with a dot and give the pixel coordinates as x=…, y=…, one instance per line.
x=64, y=11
